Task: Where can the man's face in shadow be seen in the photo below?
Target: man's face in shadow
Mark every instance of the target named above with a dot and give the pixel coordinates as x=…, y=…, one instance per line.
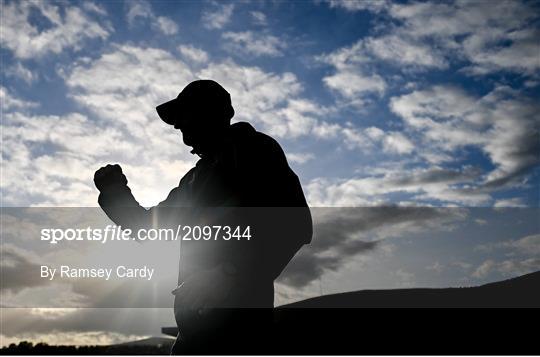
x=200, y=127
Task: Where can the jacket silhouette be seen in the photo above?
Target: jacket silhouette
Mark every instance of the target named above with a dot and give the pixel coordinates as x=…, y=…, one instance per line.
x=241, y=179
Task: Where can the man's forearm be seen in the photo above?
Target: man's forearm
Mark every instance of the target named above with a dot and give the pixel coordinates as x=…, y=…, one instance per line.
x=122, y=208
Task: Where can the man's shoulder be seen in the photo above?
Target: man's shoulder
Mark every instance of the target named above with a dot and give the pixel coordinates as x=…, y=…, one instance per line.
x=188, y=176
x=258, y=141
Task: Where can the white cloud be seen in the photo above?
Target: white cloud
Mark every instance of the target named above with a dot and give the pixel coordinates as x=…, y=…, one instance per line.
x=218, y=17
x=522, y=256
x=436, y=267
x=353, y=79
x=374, y=133
x=462, y=265
x=141, y=9
x=364, y=139
x=480, y=222
x=484, y=269
x=70, y=27
x=10, y=102
x=528, y=245
x=531, y=83
x=299, y=158
x=120, y=91
x=518, y=267
x=327, y=130
x=253, y=43
x=509, y=202
x=93, y=7
x=346, y=57
x=354, y=138
x=129, y=80
x=355, y=76
x=167, y=26
x=503, y=124
x=392, y=142
x=480, y=36
x=404, y=51
x=18, y=70
x=352, y=84
x=491, y=35
x=193, y=54
x=424, y=184
x=406, y=278
x=397, y=142
x=258, y=18
x=63, y=176
x=508, y=267
x=138, y=9
x=358, y=5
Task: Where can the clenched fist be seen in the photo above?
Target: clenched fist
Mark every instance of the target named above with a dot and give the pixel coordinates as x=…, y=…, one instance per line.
x=108, y=176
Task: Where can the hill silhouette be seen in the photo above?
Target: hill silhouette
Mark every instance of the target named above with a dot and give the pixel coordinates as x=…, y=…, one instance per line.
x=523, y=291
x=472, y=320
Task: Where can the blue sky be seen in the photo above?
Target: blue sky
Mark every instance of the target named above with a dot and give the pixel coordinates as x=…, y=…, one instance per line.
x=374, y=102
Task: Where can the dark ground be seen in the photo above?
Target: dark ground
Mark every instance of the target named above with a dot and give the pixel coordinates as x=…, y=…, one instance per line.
x=498, y=318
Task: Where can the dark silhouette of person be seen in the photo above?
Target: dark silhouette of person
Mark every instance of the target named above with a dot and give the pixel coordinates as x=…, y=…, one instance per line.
x=225, y=295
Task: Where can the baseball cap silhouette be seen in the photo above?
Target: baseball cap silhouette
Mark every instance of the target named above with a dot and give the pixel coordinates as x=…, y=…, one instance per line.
x=203, y=96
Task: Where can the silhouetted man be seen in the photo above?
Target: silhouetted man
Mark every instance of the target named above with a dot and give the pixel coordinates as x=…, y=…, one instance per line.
x=242, y=178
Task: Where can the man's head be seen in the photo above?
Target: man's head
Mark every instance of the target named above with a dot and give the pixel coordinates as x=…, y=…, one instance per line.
x=202, y=111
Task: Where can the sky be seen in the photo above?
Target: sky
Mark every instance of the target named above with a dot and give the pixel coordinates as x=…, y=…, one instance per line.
x=427, y=109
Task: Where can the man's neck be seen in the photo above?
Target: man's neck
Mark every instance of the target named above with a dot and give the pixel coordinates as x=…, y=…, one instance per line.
x=214, y=147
